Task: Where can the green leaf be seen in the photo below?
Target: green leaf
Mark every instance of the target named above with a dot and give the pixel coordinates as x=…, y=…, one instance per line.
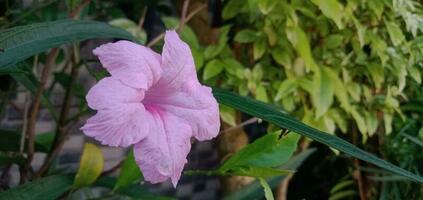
x=272, y=115
x=233, y=66
x=268, y=194
x=6, y=158
x=246, y=36
x=266, y=6
x=322, y=92
x=255, y=191
x=282, y=57
x=331, y=9
x=259, y=48
x=272, y=37
x=131, y=27
x=227, y=115
x=413, y=139
x=232, y=8
x=212, y=69
x=377, y=7
x=46, y=188
x=371, y=122
x=135, y=191
x=129, y=173
x=198, y=58
x=268, y=151
x=90, y=167
x=343, y=195
x=213, y=51
x=377, y=73
x=261, y=93
x=387, y=119
x=187, y=34
x=299, y=40
x=259, y=172
x=338, y=88
x=395, y=33
x=359, y=120
x=286, y=88
x=334, y=41
x=20, y=43
x=415, y=74
x=10, y=141
x=342, y=185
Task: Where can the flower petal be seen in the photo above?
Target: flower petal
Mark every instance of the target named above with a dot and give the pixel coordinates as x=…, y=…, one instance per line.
x=133, y=64
x=179, y=92
x=122, y=125
x=162, y=155
x=109, y=92
x=196, y=106
x=177, y=63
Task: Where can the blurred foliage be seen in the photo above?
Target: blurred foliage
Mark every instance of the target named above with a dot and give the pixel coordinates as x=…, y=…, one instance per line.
x=350, y=68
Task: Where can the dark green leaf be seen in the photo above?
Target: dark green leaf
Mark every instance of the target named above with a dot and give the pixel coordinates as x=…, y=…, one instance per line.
x=10, y=141
x=246, y=36
x=47, y=188
x=135, y=191
x=273, y=115
x=22, y=42
x=129, y=173
x=261, y=172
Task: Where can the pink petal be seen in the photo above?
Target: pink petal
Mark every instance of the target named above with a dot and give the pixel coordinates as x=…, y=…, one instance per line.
x=109, y=92
x=162, y=154
x=195, y=106
x=180, y=93
x=133, y=64
x=177, y=63
x=121, y=125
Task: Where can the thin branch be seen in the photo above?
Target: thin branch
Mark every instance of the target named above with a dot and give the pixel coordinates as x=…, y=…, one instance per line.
x=194, y=12
x=25, y=121
x=142, y=18
x=245, y=123
x=61, y=132
x=16, y=107
x=35, y=108
x=183, y=16
x=189, y=17
x=76, y=11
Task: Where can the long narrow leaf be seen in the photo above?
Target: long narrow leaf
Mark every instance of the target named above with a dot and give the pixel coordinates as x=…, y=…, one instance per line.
x=47, y=188
x=272, y=115
x=20, y=43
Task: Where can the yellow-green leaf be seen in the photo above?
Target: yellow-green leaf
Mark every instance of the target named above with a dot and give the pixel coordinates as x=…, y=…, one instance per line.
x=227, y=114
x=212, y=69
x=285, y=88
x=299, y=40
x=90, y=166
x=331, y=9
x=259, y=48
x=261, y=93
x=395, y=33
x=323, y=92
x=267, y=190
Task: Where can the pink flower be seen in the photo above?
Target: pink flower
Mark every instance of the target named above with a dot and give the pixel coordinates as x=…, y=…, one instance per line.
x=154, y=102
